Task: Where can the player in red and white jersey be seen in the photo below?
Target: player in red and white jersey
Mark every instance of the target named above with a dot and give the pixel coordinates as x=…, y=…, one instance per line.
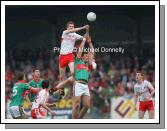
x=40, y=106
x=66, y=58
x=144, y=91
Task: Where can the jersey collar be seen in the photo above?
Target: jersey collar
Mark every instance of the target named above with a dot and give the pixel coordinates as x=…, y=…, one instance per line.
x=141, y=82
x=36, y=80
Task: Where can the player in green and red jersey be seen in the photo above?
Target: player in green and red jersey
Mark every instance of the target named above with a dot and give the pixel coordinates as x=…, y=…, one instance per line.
x=36, y=82
x=19, y=92
x=84, y=63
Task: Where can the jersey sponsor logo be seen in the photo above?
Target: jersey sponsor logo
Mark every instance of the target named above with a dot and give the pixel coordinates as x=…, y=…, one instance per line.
x=82, y=66
x=141, y=90
x=69, y=37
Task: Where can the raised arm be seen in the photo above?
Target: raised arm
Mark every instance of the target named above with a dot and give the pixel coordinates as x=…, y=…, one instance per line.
x=80, y=49
x=77, y=29
x=91, y=53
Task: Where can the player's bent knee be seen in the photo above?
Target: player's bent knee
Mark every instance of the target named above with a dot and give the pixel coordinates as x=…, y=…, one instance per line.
x=87, y=106
x=76, y=106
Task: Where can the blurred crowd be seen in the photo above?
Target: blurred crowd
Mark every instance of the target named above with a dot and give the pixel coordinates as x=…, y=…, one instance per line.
x=115, y=76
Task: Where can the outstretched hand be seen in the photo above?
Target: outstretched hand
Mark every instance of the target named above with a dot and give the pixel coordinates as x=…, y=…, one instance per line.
x=86, y=26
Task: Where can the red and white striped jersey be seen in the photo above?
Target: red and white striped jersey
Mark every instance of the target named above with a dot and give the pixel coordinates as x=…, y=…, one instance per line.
x=143, y=90
x=41, y=98
x=68, y=42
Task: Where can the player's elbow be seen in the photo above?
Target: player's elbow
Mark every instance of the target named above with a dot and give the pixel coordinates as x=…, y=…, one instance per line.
x=87, y=106
x=153, y=91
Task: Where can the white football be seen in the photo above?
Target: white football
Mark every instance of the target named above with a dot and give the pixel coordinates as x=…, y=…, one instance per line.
x=91, y=16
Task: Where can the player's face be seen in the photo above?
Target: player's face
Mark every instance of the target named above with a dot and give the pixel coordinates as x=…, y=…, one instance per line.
x=85, y=57
x=37, y=73
x=70, y=27
x=139, y=77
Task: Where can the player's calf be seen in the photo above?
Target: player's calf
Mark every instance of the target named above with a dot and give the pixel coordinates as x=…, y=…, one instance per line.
x=141, y=114
x=76, y=107
x=151, y=114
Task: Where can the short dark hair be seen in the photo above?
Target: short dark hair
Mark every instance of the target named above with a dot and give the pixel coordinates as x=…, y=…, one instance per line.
x=20, y=76
x=45, y=84
x=35, y=68
x=69, y=22
x=139, y=71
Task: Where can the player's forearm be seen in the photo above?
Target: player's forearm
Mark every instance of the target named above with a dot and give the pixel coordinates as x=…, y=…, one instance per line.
x=63, y=83
x=135, y=100
x=35, y=90
x=76, y=29
x=81, y=48
x=91, y=54
x=47, y=108
x=80, y=28
x=91, y=47
x=87, y=32
x=50, y=105
x=82, y=45
x=91, y=57
x=152, y=93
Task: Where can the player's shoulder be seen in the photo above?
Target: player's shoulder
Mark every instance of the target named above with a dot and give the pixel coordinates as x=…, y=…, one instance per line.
x=136, y=85
x=75, y=33
x=146, y=82
x=65, y=32
x=41, y=80
x=31, y=81
x=23, y=83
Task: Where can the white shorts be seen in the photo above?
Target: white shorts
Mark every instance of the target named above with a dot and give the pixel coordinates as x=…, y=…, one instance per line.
x=15, y=111
x=81, y=89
